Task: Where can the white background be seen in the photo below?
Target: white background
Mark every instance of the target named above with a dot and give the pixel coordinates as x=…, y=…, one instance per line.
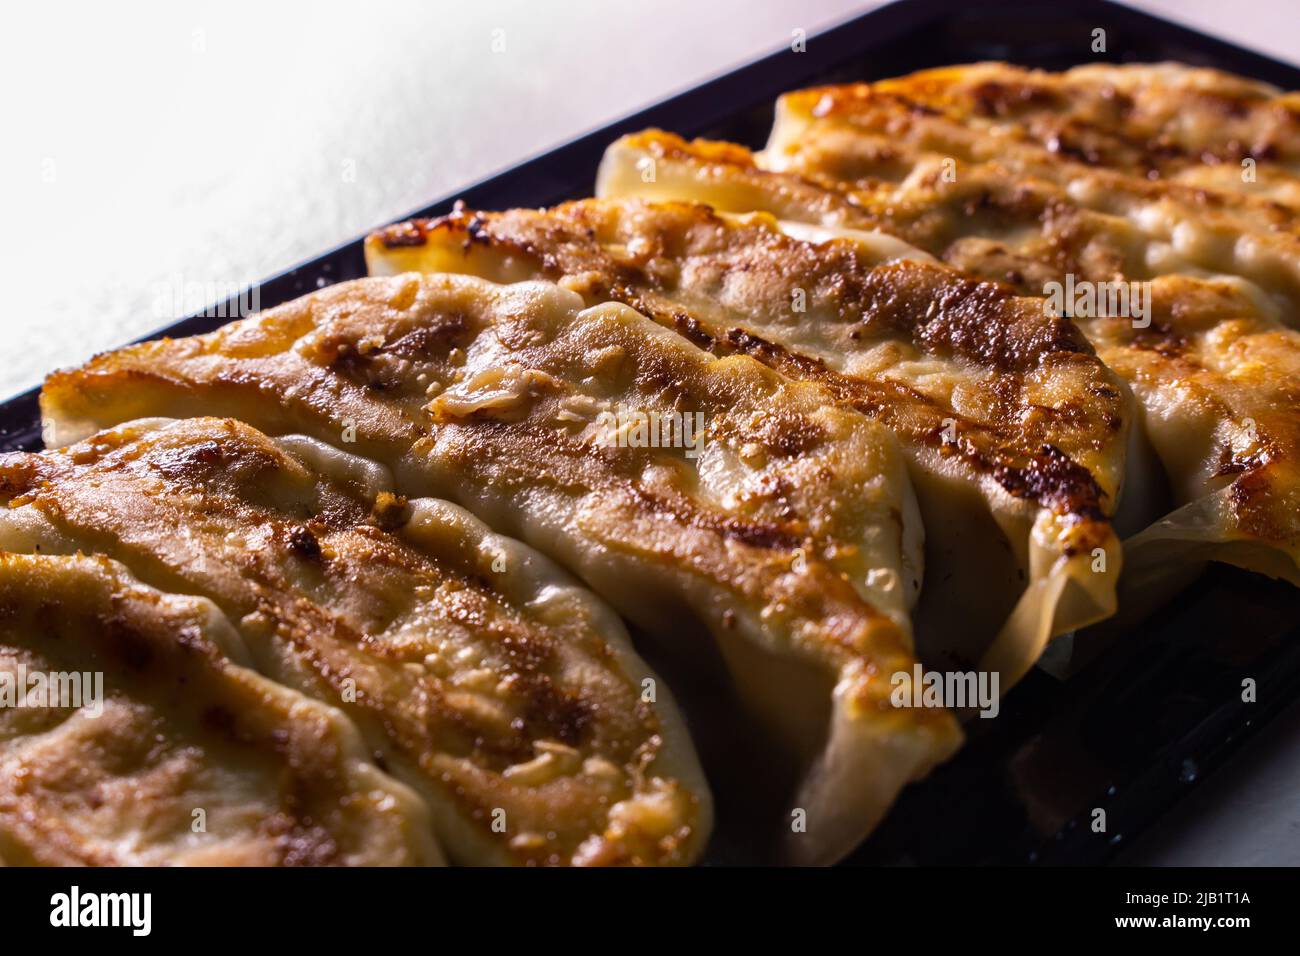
x=147, y=146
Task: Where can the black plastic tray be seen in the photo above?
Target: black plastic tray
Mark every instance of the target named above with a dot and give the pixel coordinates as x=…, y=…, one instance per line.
x=1158, y=711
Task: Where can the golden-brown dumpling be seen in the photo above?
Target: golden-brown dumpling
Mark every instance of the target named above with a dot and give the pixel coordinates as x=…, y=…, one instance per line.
x=134, y=732
x=1163, y=122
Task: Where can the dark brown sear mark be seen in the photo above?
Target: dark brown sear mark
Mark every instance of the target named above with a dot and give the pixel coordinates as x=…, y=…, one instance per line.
x=303, y=543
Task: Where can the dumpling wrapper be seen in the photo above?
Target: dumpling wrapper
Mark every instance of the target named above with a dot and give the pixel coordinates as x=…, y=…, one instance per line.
x=134, y=732
x=480, y=675
x=791, y=538
x=1015, y=431
x=1215, y=414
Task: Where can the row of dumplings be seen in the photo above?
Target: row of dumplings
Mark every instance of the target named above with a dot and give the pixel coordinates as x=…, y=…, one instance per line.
x=327, y=558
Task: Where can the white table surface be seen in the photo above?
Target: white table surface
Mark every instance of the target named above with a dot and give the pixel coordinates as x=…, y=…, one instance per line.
x=153, y=146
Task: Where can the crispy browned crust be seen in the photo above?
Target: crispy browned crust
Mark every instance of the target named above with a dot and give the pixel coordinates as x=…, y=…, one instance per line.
x=671, y=260
x=194, y=758
x=888, y=141
x=1163, y=121
x=885, y=142
x=465, y=691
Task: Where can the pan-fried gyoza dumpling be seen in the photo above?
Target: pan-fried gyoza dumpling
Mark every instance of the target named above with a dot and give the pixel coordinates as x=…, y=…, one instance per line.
x=1208, y=363
x=1015, y=430
x=1219, y=380
x=683, y=488
x=479, y=675
x=889, y=132
x=133, y=732
x=899, y=140
x=1166, y=121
